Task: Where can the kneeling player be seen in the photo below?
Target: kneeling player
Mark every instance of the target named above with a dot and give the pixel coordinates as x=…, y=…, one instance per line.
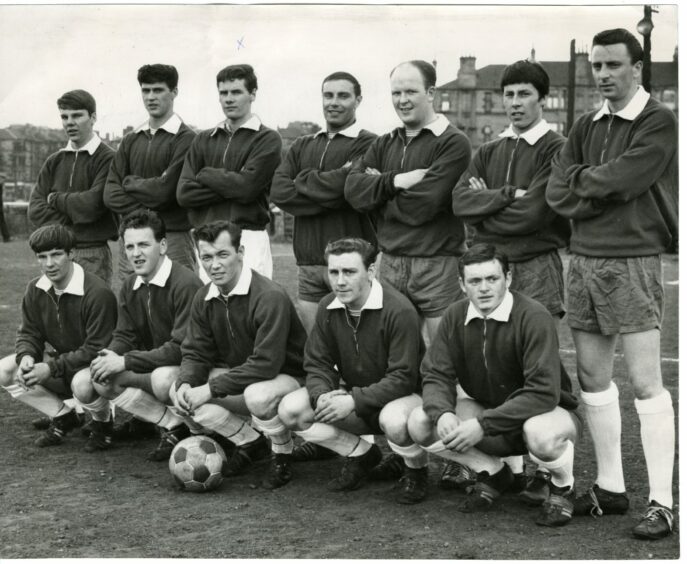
x=502, y=348
x=242, y=354
x=154, y=305
x=74, y=312
x=362, y=362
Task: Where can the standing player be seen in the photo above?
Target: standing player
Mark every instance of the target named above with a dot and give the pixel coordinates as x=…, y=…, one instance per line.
x=69, y=189
x=309, y=184
x=70, y=310
x=362, y=362
x=154, y=306
x=228, y=169
x=146, y=168
x=243, y=352
x=613, y=179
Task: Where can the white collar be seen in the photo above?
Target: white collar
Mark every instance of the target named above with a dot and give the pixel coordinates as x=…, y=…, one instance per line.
x=374, y=299
x=241, y=288
x=437, y=126
x=172, y=125
x=161, y=276
x=531, y=135
x=351, y=131
x=91, y=146
x=501, y=313
x=629, y=112
x=253, y=123
x=75, y=285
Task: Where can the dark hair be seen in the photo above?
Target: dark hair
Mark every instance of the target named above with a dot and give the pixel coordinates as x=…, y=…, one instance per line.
x=427, y=70
x=211, y=231
x=364, y=248
x=149, y=74
x=140, y=219
x=483, y=252
x=77, y=100
x=620, y=35
x=235, y=72
x=524, y=72
x=342, y=75
x=51, y=237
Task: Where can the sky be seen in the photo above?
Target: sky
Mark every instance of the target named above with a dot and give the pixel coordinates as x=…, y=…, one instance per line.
x=49, y=49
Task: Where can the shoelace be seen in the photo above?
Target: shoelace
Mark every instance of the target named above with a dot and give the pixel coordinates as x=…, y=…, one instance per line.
x=596, y=510
x=653, y=513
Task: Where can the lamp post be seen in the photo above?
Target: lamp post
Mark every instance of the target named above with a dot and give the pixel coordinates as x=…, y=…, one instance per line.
x=645, y=27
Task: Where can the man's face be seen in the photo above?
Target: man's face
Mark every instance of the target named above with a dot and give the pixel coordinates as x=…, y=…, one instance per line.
x=158, y=99
x=523, y=107
x=78, y=125
x=221, y=261
x=349, y=279
x=339, y=104
x=235, y=99
x=56, y=264
x=485, y=285
x=145, y=254
x=412, y=102
x=615, y=75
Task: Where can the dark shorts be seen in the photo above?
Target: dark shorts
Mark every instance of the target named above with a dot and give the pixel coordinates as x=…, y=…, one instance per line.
x=615, y=295
x=313, y=283
x=430, y=283
x=541, y=278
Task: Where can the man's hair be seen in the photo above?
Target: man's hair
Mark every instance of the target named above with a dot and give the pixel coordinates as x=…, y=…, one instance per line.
x=524, y=72
x=51, y=237
x=620, y=35
x=77, y=100
x=140, y=219
x=483, y=252
x=364, y=248
x=342, y=75
x=236, y=72
x=427, y=70
x=150, y=74
x=211, y=231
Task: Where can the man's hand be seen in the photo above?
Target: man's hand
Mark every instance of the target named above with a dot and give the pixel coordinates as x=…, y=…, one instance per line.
x=193, y=398
x=372, y=171
x=405, y=180
x=106, y=365
x=179, y=399
x=26, y=364
x=519, y=193
x=477, y=183
x=459, y=435
x=348, y=165
x=37, y=375
x=51, y=198
x=334, y=406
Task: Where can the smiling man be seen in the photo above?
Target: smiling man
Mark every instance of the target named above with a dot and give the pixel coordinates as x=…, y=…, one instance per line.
x=616, y=180
x=69, y=188
x=228, y=169
x=146, y=168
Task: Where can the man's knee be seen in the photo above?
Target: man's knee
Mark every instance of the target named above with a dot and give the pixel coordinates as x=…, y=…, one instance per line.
x=544, y=439
x=295, y=411
x=82, y=386
x=161, y=380
x=393, y=419
x=263, y=398
x=420, y=427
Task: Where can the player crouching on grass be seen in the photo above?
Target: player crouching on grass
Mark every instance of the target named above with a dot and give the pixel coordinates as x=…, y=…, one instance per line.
x=362, y=362
x=502, y=348
x=242, y=354
x=154, y=305
x=72, y=311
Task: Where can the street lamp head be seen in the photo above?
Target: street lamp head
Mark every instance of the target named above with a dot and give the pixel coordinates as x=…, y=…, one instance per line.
x=645, y=26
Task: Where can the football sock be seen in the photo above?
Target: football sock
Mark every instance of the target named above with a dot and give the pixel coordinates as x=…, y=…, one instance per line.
x=362, y=447
x=413, y=456
x=656, y=418
x=39, y=398
x=472, y=458
x=218, y=419
x=99, y=409
x=561, y=469
x=603, y=419
x=280, y=436
x=515, y=463
x=340, y=441
x=147, y=407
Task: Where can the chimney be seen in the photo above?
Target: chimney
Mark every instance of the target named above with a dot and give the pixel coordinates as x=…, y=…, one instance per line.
x=467, y=75
x=581, y=67
x=532, y=59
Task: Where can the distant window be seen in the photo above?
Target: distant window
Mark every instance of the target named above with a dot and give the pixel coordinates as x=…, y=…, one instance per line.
x=555, y=126
x=445, y=102
x=669, y=98
x=488, y=103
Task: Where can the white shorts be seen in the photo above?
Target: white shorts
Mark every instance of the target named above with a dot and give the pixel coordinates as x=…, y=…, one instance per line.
x=257, y=253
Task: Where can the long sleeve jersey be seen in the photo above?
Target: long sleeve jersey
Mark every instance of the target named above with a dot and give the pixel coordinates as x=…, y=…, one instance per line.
x=78, y=178
x=523, y=227
x=418, y=221
x=309, y=184
x=616, y=179
x=145, y=173
x=511, y=368
x=228, y=176
x=378, y=361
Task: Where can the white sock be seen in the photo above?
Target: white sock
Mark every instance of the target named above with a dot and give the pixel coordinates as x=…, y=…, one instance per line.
x=414, y=456
x=561, y=469
x=39, y=398
x=279, y=435
x=657, y=425
x=472, y=458
x=220, y=420
x=99, y=409
x=515, y=463
x=147, y=407
x=340, y=441
x=603, y=420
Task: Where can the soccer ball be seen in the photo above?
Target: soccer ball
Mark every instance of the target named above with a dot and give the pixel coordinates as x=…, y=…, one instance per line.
x=196, y=464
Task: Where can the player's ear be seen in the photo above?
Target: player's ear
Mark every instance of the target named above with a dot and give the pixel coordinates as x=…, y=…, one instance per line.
x=509, y=278
x=371, y=271
x=462, y=285
x=240, y=251
x=163, y=246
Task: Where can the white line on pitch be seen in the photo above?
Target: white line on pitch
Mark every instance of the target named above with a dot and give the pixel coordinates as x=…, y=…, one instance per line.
x=663, y=358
